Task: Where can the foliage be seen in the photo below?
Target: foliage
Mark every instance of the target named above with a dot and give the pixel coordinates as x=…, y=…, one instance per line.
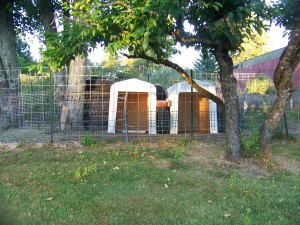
x=252, y=46
x=88, y=140
x=250, y=143
x=261, y=85
x=128, y=184
x=184, y=141
x=151, y=29
x=81, y=173
x=37, y=79
x=283, y=13
x=206, y=65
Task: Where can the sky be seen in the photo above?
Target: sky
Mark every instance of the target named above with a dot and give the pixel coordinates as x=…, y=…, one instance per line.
x=187, y=56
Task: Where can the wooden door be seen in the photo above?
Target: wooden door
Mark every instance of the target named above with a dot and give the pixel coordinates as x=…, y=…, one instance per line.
x=199, y=110
x=137, y=111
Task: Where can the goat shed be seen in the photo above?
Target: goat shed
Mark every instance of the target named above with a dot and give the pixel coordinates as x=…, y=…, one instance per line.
x=203, y=113
x=138, y=98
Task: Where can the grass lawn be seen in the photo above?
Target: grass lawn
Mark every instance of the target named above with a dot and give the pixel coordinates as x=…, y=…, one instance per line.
x=166, y=182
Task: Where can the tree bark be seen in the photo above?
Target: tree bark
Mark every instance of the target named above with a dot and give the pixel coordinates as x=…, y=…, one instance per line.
x=232, y=116
x=9, y=76
x=76, y=92
x=46, y=11
x=69, y=90
x=283, y=75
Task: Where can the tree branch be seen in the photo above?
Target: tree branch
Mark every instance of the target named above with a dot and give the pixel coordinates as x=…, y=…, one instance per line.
x=182, y=73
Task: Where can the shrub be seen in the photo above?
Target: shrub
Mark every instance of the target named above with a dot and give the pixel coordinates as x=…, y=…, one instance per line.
x=251, y=143
x=260, y=85
x=88, y=140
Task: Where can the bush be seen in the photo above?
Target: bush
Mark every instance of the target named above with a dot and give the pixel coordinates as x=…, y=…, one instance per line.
x=88, y=140
x=251, y=143
x=261, y=85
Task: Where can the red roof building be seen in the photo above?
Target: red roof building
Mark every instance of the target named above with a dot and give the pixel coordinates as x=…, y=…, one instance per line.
x=263, y=64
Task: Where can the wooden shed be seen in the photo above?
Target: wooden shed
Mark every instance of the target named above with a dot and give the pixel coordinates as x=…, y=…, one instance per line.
x=96, y=106
x=132, y=104
x=187, y=107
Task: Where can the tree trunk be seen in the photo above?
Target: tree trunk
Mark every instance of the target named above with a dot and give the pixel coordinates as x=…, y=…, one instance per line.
x=283, y=75
x=232, y=116
x=9, y=79
x=47, y=10
x=76, y=92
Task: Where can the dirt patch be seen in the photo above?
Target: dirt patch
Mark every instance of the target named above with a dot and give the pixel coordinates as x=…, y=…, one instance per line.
x=285, y=163
x=162, y=163
x=249, y=169
x=212, y=157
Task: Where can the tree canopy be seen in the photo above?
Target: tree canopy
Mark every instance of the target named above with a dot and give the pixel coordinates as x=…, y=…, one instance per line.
x=152, y=28
x=252, y=46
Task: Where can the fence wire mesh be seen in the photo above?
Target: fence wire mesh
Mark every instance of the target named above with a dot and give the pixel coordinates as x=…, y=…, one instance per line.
x=129, y=103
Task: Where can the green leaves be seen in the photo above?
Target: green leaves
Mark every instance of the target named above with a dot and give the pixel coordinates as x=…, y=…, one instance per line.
x=152, y=26
x=217, y=5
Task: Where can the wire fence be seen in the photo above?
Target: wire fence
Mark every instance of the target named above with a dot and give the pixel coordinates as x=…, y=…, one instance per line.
x=130, y=103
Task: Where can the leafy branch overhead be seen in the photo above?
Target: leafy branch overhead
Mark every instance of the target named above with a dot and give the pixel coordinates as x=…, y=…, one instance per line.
x=154, y=27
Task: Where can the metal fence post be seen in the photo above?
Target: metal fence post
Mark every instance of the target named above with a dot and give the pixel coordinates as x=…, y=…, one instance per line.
x=51, y=106
x=125, y=117
x=192, y=109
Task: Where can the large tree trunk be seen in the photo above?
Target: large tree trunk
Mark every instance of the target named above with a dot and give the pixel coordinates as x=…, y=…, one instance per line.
x=232, y=116
x=69, y=90
x=47, y=15
x=9, y=79
x=283, y=82
x=76, y=92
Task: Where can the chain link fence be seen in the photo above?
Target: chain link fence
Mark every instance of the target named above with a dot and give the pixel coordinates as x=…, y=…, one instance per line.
x=129, y=103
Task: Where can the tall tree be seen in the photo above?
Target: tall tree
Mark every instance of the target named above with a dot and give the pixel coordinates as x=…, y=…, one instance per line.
x=9, y=83
x=287, y=15
x=69, y=87
x=150, y=29
x=206, y=65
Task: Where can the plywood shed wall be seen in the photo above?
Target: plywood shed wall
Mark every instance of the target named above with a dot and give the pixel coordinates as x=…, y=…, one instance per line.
x=141, y=106
x=203, y=110
x=96, y=105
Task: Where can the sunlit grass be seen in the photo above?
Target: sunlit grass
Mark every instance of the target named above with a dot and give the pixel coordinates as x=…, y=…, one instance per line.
x=140, y=184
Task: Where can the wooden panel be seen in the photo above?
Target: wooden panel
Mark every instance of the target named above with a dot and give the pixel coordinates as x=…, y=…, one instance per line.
x=204, y=126
x=200, y=113
x=137, y=111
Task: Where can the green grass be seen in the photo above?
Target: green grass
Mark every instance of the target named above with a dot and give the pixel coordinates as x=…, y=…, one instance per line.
x=288, y=148
x=140, y=184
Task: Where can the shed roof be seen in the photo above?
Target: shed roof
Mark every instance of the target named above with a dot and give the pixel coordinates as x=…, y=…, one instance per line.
x=134, y=85
x=186, y=87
